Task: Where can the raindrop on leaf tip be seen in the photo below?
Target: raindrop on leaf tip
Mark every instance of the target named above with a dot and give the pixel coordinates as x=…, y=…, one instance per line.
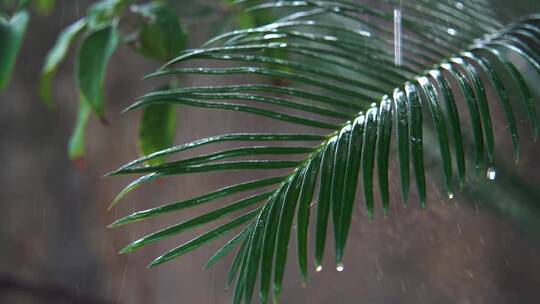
x=491, y=173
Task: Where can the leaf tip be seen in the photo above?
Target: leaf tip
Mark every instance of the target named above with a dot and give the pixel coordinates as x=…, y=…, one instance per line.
x=152, y=75
x=370, y=216
x=131, y=107
x=114, y=202
x=155, y=262
x=126, y=249
x=116, y=223
x=104, y=120
x=112, y=173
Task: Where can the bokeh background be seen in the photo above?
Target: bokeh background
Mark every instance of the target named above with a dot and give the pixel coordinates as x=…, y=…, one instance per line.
x=55, y=246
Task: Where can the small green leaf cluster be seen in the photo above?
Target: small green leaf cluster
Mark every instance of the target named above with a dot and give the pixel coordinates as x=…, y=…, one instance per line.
x=12, y=29
x=157, y=34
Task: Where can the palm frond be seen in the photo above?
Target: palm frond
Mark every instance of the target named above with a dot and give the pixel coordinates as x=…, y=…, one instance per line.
x=342, y=83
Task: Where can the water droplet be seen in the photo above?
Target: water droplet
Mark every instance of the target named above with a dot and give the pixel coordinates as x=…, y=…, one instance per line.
x=451, y=31
x=361, y=119
x=340, y=267
x=364, y=33
x=272, y=36
x=330, y=38
x=450, y=195
x=318, y=269
x=491, y=173
x=459, y=5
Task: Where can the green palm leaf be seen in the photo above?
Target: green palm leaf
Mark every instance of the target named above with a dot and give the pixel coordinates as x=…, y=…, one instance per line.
x=343, y=84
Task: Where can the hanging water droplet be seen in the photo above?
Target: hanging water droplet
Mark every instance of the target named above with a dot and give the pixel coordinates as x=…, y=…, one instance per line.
x=459, y=5
x=450, y=195
x=318, y=269
x=451, y=31
x=361, y=119
x=491, y=173
x=340, y=267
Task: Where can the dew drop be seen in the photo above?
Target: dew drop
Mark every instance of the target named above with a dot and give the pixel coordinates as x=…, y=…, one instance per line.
x=272, y=36
x=340, y=267
x=450, y=195
x=459, y=5
x=318, y=269
x=451, y=31
x=491, y=173
x=363, y=33
x=330, y=38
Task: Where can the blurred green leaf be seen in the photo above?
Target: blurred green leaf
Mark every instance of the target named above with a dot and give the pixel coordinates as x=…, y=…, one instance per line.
x=102, y=13
x=55, y=56
x=157, y=129
x=11, y=37
x=91, y=63
x=242, y=18
x=191, y=8
x=161, y=35
x=22, y=4
x=44, y=6
x=76, y=141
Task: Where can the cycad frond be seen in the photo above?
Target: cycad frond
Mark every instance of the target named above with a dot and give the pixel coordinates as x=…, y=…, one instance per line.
x=337, y=58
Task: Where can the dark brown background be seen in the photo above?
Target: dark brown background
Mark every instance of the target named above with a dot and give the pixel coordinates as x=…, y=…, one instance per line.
x=54, y=243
